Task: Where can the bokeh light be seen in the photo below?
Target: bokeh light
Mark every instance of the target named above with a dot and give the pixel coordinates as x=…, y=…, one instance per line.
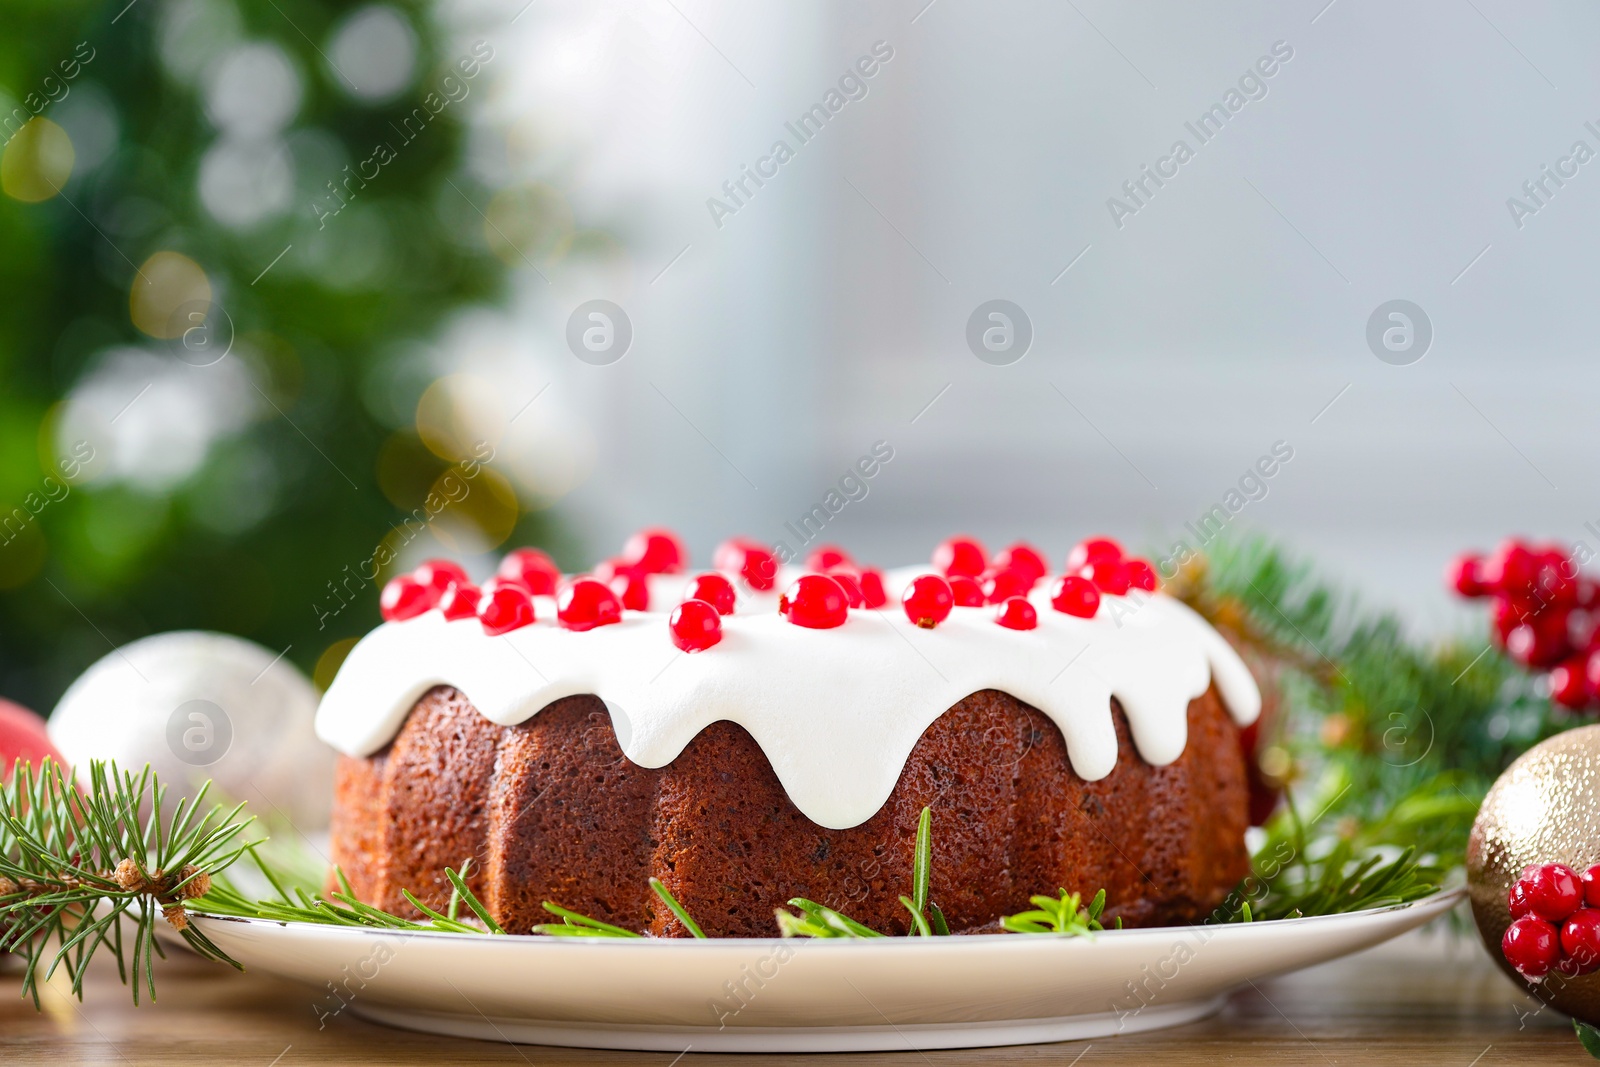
x=37, y=162
x=254, y=91
x=164, y=290
x=457, y=414
x=376, y=50
x=528, y=224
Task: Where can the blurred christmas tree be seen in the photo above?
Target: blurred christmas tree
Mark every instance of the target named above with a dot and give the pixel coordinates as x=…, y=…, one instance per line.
x=226, y=232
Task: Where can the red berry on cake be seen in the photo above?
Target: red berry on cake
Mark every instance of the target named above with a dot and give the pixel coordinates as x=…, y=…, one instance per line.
x=632, y=588
x=825, y=558
x=960, y=555
x=695, y=625
x=585, y=603
x=1092, y=550
x=1550, y=891
x=712, y=588
x=816, y=602
x=966, y=591
x=460, y=601
x=439, y=574
x=533, y=569
x=1016, y=613
x=405, y=598
x=871, y=582
x=505, y=606
x=1108, y=575
x=928, y=600
x=1001, y=585
x=850, y=584
x=1141, y=575
x=655, y=551
x=1022, y=557
x=1075, y=595
x=1580, y=939
x=748, y=559
x=1532, y=946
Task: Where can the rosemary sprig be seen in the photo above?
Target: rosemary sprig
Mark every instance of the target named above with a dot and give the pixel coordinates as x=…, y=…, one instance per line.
x=1064, y=915
x=74, y=863
x=927, y=920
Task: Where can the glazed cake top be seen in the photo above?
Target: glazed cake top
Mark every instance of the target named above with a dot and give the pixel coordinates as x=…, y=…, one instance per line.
x=836, y=710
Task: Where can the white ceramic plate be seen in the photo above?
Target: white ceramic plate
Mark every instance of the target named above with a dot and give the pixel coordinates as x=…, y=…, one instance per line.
x=731, y=995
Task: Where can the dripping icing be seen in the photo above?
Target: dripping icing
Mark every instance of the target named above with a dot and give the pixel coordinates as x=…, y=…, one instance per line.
x=837, y=712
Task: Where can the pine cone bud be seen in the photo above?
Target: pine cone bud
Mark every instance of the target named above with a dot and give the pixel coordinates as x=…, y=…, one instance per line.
x=201, y=884
x=176, y=916
x=7, y=886
x=130, y=877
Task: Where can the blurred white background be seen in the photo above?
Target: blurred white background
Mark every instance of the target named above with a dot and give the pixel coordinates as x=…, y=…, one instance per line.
x=1228, y=314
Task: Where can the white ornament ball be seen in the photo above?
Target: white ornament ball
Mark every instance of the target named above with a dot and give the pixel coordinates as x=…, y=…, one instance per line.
x=198, y=706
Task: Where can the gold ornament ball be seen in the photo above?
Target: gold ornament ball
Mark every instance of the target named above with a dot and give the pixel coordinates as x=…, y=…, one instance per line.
x=1544, y=809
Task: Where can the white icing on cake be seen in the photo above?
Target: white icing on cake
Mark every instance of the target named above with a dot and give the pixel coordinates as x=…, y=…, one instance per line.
x=837, y=712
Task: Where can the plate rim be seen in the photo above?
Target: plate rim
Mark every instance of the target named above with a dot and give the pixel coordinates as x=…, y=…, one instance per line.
x=1451, y=894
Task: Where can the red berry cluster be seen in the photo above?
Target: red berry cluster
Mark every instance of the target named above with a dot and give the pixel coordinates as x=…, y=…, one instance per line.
x=1555, y=922
x=971, y=579
x=1546, y=614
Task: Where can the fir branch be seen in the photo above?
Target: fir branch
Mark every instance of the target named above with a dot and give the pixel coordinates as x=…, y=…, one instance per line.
x=74, y=863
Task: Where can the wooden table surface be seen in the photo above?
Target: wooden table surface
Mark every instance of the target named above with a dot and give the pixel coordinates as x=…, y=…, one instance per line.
x=1423, y=999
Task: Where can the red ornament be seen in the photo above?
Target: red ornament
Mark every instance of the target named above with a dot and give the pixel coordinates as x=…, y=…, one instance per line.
x=655, y=551
x=1001, y=585
x=966, y=591
x=816, y=602
x=695, y=625
x=1141, y=575
x=405, y=598
x=1093, y=550
x=439, y=574
x=1532, y=946
x=712, y=588
x=533, y=569
x=751, y=561
x=460, y=601
x=505, y=606
x=23, y=736
x=1017, y=614
x=927, y=600
x=825, y=558
x=1075, y=595
x=1580, y=940
x=585, y=603
x=1108, y=576
x=632, y=588
x=872, y=590
x=960, y=555
x=1022, y=557
x=1550, y=891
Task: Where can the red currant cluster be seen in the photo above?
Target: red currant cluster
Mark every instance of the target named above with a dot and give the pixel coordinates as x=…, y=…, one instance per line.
x=969, y=578
x=1555, y=922
x=819, y=599
x=1546, y=614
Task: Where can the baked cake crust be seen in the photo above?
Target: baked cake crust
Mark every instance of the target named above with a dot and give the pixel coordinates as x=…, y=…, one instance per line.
x=551, y=809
